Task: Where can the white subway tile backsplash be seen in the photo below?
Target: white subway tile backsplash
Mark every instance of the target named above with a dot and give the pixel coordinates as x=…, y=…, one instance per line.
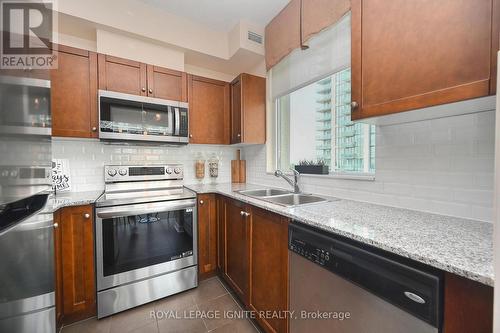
x=87, y=158
x=443, y=166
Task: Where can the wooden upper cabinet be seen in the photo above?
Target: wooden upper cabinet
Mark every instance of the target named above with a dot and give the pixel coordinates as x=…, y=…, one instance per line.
x=74, y=93
x=166, y=83
x=236, y=244
x=269, y=268
x=76, y=261
x=409, y=54
x=248, y=109
x=208, y=110
x=136, y=78
x=207, y=235
x=122, y=75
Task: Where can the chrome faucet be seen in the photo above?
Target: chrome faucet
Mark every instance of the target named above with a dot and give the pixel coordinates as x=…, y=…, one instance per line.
x=293, y=182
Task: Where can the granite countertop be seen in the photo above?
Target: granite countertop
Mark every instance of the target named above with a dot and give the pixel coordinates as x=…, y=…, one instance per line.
x=460, y=246
x=66, y=199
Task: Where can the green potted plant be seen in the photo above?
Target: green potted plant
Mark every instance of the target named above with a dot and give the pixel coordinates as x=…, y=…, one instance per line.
x=314, y=168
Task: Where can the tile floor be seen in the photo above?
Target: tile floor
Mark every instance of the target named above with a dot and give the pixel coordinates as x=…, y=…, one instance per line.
x=210, y=295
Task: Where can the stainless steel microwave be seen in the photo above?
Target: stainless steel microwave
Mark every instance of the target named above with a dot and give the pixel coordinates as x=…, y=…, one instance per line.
x=139, y=118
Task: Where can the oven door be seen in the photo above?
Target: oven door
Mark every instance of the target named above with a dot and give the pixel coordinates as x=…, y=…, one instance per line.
x=134, y=242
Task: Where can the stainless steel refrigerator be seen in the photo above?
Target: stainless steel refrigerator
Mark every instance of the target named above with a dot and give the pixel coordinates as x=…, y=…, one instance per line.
x=27, y=300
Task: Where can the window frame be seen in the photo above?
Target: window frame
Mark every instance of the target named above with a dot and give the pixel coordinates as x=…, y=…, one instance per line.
x=364, y=175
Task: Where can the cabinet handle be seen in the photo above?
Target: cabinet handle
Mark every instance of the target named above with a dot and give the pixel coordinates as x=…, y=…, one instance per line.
x=94, y=129
x=143, y=89
x=190, y=135
x=201, y=202
x=242, y=213
x=86, y=215
x=247, y=214
x=56, y=225
x=150, y=91
x=239, y=135
x=354, y=105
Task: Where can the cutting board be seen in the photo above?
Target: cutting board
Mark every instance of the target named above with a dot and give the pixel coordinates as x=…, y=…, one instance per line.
x=238, y=169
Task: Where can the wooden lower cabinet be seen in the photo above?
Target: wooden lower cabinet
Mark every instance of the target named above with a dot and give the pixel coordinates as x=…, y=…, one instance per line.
x=207, y=235
x=75, y=277
x=236, y=244
x=269, y=267
x=468, y=306
x=253, y=258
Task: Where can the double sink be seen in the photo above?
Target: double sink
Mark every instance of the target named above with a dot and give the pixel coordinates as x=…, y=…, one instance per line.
x=283, y=197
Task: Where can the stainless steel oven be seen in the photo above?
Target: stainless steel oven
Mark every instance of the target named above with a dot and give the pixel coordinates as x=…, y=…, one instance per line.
x=146, y=237
x=131, y=117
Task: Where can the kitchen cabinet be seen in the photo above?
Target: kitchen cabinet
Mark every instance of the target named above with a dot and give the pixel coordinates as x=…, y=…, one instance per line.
x=408, y=55
x=166, y=83
x=269, y=267
x=254, y=247
x=468, y=306
x=136, y=78
x=207, y=235
x=248, y=109
x=75, y=278
x=74, y=94
x=122, y=75
x=236, y=244
x=208, y=110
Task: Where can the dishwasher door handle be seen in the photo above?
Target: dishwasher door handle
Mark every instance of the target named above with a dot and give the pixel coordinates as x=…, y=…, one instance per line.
x=414, y=297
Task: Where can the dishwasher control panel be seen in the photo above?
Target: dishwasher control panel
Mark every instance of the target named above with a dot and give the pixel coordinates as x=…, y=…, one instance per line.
x=310, y=251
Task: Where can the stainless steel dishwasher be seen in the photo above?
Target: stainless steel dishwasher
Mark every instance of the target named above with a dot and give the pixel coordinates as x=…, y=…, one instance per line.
x=339, y=285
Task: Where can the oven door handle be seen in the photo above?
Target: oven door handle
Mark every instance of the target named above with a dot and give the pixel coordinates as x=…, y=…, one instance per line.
x=152, y=207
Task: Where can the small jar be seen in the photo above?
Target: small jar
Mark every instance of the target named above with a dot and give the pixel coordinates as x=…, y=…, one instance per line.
x=213, y=167
x=199, y=166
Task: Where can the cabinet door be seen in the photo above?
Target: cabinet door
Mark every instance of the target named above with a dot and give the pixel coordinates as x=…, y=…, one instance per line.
x=74, y=94
x=208, y=110
x=468, y=306
x=410, y=54
x=77, y=248
x=236, y=119
x=236, y=248
x=207, y=235
x=166, y=83
x=269, y=267
x=122, y=75
x=221, y=232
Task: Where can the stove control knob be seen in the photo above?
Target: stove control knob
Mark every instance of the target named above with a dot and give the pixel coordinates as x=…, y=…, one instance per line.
x=5, y=173
x=177, y=170
x=169, y=171
x=112, y=172
x=122, y=172
x=13, y=173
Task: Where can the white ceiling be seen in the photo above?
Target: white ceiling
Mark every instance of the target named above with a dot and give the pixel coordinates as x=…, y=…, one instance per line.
x=222, y=15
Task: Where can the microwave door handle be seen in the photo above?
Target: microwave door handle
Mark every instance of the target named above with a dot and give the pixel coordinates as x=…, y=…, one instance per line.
x=177, y=121
x=121, y=211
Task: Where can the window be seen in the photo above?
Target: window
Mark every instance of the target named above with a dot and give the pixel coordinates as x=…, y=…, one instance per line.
x=314, y=124
x=311, y=95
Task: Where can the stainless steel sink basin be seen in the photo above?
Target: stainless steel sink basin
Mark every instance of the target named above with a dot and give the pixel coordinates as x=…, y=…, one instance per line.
x=295, y=199
x=268, y=192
